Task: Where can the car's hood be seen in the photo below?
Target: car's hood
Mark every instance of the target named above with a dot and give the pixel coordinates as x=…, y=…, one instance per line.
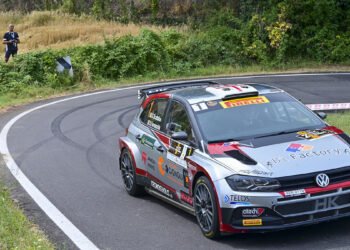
x=290, y=157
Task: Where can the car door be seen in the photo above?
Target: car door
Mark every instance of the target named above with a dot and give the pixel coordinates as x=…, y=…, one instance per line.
x=176, y=173
x=153, y=153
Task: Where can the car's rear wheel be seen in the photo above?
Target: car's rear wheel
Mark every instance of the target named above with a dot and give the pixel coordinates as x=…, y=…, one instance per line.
x=128, y=171
x=205, y=208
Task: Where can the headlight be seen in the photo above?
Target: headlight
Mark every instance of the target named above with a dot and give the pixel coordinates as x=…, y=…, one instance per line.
x=252, y=183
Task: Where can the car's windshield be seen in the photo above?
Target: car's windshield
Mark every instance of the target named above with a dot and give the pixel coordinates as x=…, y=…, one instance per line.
x=253, y=117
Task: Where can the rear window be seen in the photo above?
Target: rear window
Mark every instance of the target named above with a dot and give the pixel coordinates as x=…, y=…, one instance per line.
x=153, y=114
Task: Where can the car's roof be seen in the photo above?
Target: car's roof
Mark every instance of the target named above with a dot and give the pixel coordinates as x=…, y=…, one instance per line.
x=204, y=93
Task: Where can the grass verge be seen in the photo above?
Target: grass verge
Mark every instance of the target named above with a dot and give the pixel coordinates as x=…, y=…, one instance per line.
x=16, y=231
x=41, y=30
x=340, y=120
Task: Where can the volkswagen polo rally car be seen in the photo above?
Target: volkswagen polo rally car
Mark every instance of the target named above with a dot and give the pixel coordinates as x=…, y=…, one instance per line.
x=240, y=157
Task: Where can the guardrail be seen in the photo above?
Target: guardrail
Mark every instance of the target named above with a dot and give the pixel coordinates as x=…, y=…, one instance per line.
x=329, y=106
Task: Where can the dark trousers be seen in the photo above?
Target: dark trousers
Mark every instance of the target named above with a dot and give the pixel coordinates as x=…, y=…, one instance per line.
x=10, y=52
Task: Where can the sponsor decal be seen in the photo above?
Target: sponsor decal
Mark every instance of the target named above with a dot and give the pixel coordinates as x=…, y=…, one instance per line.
x=313, y=134
x=172, y=173
x=176, y=160
x=147, y=141
x=295, y=147
x=155, y=117
x=252, y=212
x=161, y=189
x=151, y=163
x=160, y=165
x=244, y=101
x=326, y=203
x=306, y=155
x=153, y=125
x=199, y=107
x=252, y=222
x=294, y=193
x=256, y=172
x=192, y=169
x=186, y=198
x=144, y=157
x=186, y=178
x=236, y=200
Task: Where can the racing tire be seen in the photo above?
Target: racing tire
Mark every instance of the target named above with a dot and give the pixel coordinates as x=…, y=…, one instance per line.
x=128, y=171
x=206, y=208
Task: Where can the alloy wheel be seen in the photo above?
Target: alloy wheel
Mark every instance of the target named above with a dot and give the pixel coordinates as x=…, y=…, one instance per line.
x=127, y=172
x=204, y=207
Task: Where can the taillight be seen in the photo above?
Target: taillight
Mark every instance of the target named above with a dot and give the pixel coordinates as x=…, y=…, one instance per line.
x=126, y=131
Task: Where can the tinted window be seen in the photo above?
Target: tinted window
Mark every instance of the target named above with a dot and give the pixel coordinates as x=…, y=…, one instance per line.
x=178, y=121
x=153, y=114
x=248, y=119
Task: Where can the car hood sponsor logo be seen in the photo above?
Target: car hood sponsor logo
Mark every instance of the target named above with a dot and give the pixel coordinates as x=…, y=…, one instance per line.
x=296, y=147
x=292, y=158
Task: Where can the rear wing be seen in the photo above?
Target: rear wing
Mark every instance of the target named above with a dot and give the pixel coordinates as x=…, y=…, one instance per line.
x=168, y=87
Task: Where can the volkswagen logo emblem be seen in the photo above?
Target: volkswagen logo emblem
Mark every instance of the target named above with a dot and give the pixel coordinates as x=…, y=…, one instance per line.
x=322, y=180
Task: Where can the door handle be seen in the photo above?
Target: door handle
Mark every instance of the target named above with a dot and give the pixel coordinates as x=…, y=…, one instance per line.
x=160, y=149
x=138, y=137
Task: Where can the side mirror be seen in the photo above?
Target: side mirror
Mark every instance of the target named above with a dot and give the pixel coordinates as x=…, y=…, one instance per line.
x=179, y=136
x=322, y=115
x=170, y=126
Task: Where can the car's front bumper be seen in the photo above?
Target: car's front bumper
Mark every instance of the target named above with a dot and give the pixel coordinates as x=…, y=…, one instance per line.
x=260, y=212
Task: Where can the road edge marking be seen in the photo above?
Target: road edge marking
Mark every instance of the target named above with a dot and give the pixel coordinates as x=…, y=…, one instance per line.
x=72, y=232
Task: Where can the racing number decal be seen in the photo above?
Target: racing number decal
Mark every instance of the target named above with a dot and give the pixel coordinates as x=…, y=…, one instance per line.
x=180, y=150
x=177, y=153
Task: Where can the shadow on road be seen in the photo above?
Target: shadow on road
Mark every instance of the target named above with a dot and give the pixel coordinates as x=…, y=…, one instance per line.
x=321, y=236
x=334, y=234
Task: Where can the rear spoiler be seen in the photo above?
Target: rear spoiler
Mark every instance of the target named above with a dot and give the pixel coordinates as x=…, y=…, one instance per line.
x=168, y=87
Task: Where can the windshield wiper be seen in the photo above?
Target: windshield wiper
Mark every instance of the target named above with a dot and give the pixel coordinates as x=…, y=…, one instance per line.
x=277, y=133
x=224, y=140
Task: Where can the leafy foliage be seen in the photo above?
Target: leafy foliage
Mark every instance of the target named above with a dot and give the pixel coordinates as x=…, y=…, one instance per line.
x=272, y=32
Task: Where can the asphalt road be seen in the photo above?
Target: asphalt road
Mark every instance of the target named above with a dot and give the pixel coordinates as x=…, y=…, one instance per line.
x=69, y=151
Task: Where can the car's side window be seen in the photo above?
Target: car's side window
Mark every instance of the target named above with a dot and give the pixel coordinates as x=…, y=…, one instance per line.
x=178, y=120
x=153, y=114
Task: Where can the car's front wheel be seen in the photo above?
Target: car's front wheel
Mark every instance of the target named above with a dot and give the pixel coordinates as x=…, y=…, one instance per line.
x=205, y=208
x=128, y=171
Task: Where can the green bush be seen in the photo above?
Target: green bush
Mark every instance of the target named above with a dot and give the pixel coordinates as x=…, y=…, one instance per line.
x=279, y=33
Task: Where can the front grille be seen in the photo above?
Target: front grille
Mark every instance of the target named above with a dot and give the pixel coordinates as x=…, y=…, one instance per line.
x=308, y=180
x=327, y=205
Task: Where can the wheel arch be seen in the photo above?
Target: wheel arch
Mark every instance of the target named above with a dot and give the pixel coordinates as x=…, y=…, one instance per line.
x=125, y=143
x=201, y=172
x=195, y=178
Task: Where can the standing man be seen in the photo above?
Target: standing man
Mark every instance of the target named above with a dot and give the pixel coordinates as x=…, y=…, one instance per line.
x=11, y=39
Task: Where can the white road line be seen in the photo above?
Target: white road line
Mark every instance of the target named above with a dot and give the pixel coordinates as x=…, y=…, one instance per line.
x=79, y=239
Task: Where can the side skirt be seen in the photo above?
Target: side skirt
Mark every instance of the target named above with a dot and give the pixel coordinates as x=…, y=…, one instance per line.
x=170, y=201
